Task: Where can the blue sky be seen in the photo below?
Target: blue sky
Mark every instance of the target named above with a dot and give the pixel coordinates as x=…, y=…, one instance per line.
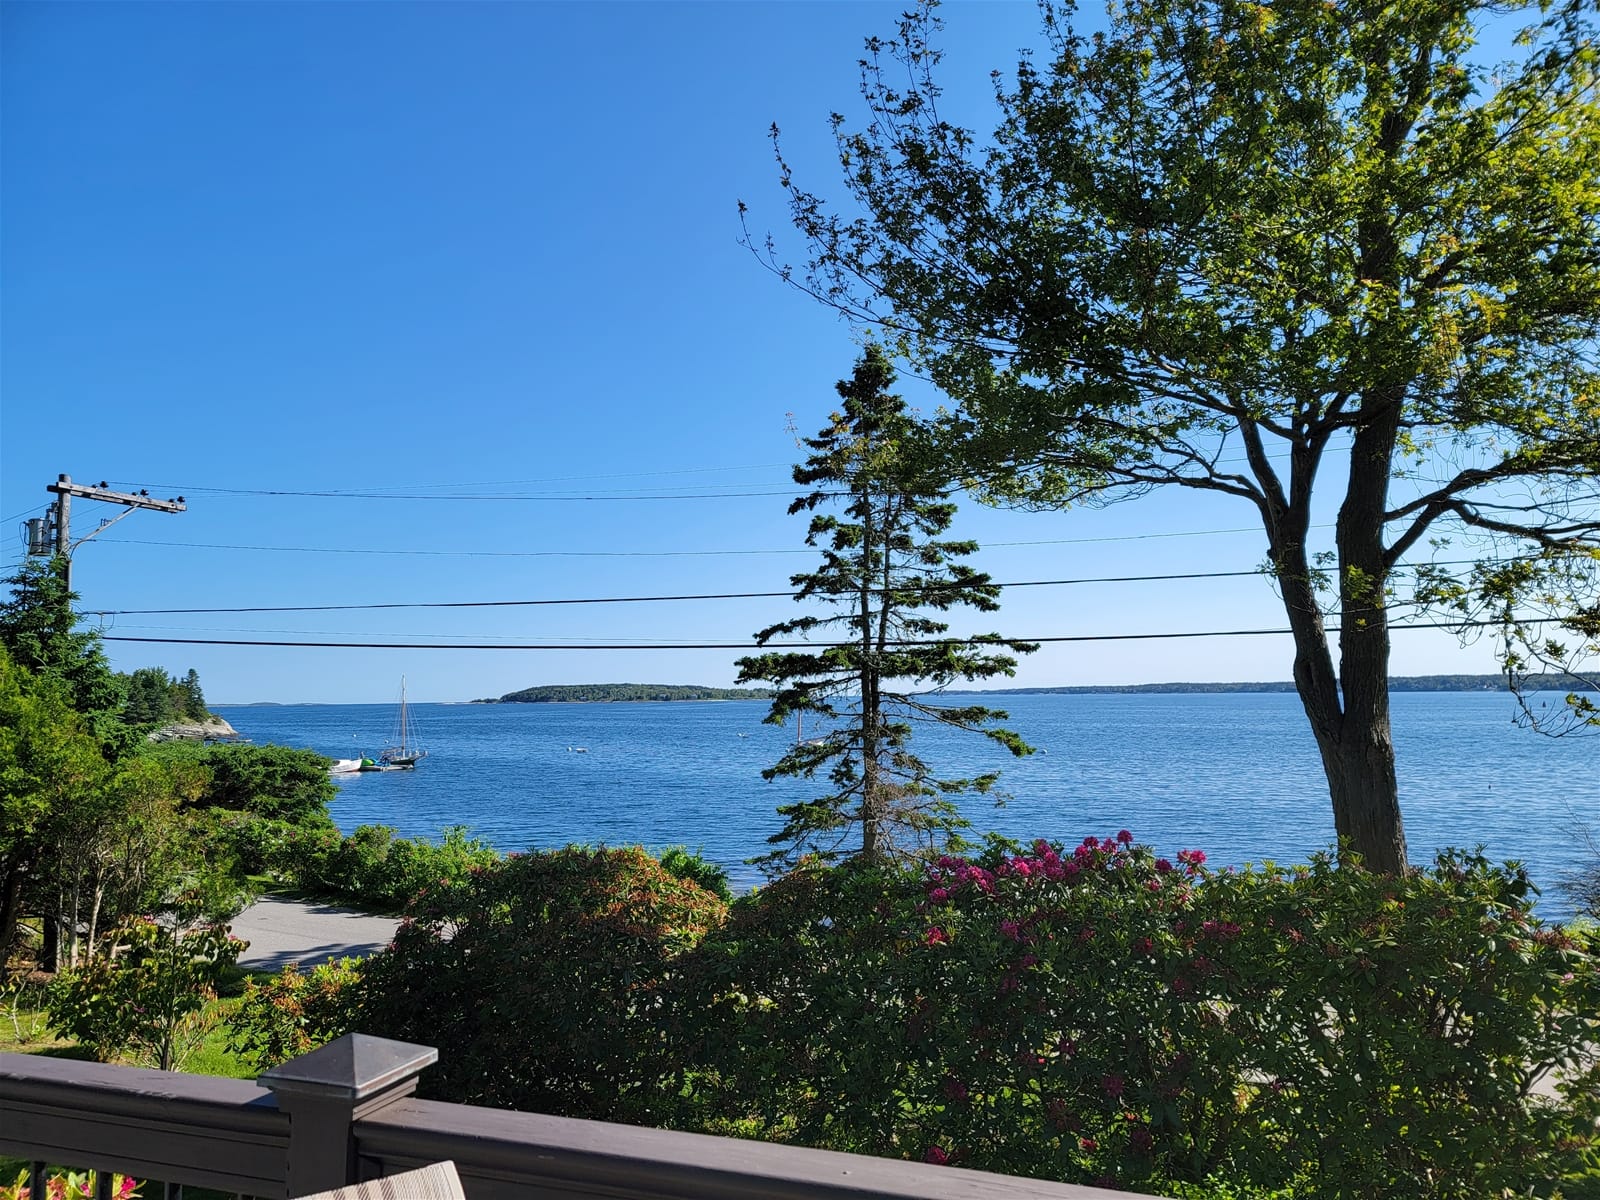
x=485, y=250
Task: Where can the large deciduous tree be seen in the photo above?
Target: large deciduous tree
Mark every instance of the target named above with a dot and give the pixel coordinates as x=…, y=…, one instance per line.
x=884, y=569
x=1314, y=256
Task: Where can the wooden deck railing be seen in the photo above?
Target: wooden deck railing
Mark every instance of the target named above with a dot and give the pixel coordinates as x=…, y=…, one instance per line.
x=347, y=1113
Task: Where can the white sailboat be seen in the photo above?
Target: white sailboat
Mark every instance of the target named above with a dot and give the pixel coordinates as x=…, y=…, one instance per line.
x=405, y=753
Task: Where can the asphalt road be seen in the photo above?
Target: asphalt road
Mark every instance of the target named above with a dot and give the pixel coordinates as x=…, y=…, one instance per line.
x=306, y=932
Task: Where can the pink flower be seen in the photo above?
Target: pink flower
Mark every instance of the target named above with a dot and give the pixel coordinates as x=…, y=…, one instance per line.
x=939, y=895
x=1124, y=837
x=1090, y=843
x=1144, y=945
x=1088, y=1144
x=936, y=936
x=1192, y=858
x=1163, y=866
x=1010, y=929
x=936, y=1155
x=1027, y=960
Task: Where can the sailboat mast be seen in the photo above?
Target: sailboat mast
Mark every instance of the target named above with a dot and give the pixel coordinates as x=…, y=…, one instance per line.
x=402, y=714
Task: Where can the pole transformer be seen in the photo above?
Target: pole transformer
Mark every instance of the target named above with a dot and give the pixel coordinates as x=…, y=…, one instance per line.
x=59, y=541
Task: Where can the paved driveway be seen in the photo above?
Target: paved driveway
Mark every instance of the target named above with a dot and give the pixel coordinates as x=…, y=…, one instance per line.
x=306, y=932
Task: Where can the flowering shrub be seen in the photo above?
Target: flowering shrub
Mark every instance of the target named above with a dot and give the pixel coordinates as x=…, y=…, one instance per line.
x=293, y=1013
x=70, y=1185
x=1107, y=1016
x=146, y=998
x=544, y=976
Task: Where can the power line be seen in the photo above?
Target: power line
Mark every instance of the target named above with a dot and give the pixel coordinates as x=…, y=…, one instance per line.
x=1087, y=637
x=914, y=587
x=1084, y=541
x=925, y=587
x=513, y=496
x=484, y=483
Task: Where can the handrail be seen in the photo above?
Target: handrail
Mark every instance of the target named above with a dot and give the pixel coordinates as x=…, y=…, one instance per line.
x=346, y=1113
x=191, y=1129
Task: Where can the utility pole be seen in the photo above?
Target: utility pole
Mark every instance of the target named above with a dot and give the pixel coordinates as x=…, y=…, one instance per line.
x=58, y=541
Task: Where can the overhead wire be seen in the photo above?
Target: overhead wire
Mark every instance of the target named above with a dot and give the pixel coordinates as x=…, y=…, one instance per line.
x=1096, y=637
x=934, y=586
x=1083, y=541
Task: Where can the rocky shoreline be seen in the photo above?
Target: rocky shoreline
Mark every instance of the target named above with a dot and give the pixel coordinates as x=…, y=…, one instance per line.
x=212, y=729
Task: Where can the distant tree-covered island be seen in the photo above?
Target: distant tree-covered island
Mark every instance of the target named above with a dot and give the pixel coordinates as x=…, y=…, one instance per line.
x=1400, y=683
x=614, y=693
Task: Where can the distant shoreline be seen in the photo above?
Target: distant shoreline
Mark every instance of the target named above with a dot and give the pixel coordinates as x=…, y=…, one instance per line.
x=1398, y=683
x=671, y=693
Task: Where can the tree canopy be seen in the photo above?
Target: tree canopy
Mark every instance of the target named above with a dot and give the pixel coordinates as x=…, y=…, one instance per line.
x=1311, y=256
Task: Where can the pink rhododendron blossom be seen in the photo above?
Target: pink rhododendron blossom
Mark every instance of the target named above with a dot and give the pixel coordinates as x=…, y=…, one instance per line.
x=1010, y=929
x=936, y=936
x=1163, y=865
x=939, y=895
x=1088, y=1144
x=1124, y=837
x=936, y=1154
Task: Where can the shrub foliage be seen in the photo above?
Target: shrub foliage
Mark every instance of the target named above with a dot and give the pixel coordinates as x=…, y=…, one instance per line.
x=1093, y=1015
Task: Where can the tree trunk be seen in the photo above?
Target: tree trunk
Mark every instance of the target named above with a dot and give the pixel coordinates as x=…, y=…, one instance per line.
x=870, y=785
x=50, y=951
x=10, y=906
x=1348, y=712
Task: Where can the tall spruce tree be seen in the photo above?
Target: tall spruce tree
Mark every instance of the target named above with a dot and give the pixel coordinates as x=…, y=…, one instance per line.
x=883, y=569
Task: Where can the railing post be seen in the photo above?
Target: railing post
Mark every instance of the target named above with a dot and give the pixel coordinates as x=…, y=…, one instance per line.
x=325, y=1091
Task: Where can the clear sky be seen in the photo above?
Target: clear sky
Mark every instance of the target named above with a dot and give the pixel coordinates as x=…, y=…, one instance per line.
x=481, y=261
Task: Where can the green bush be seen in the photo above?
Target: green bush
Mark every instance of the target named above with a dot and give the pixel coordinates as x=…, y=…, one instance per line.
x=372, y=868
x=291, y=1013
x=147, y=998
x=1105, y=1016
x=270, y=781
x=689, y=864
x=545, y=977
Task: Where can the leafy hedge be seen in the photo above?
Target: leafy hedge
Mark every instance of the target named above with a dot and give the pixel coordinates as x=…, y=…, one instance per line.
x=1096, y=1015
x=546, y=977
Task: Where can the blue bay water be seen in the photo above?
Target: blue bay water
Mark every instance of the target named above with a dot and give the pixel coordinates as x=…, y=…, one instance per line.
x=1234, y=775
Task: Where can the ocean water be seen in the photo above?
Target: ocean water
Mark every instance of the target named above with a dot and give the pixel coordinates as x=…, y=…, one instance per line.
x=1234, y=775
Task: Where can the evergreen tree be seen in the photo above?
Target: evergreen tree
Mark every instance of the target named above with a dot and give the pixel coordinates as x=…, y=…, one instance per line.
x=39, y=629
x=149, y=697
x=883, y=568
x=194, y=698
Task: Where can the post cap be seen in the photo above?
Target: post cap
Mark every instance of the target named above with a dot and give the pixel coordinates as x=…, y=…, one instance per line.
x=352, y=1068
